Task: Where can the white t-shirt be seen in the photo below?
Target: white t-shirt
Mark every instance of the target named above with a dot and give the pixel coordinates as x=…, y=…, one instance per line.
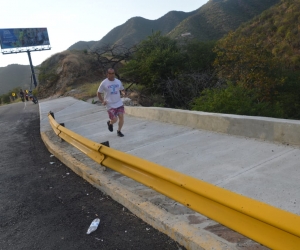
x=111, y=90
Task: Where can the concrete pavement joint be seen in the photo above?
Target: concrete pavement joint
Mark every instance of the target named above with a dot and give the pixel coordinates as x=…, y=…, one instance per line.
x=224, y=181
x=159, y=141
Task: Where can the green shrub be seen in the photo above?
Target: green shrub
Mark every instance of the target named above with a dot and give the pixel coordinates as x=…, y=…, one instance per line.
x=235, y=100
x=5, y=99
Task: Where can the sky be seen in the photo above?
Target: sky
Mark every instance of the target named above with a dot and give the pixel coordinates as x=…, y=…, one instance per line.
x=68, y=21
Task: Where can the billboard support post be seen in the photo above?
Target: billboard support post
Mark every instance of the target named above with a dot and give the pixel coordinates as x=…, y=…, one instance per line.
x=32, y=69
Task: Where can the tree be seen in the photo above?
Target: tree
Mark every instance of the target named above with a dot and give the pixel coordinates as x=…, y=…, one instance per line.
x=157, y=58
x=110, y=56
x=181, y=91
x=176, y=73
x=5, y=98
x=200, y=55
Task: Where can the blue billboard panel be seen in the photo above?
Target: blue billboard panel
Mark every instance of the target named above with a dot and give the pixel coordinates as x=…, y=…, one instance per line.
x=23, y=37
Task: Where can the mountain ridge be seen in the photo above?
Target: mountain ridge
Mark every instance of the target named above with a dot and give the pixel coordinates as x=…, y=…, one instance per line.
x=136, y=29
x=211, y=21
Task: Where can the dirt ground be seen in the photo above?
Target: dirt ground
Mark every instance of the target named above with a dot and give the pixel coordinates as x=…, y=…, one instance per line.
x=44, y=205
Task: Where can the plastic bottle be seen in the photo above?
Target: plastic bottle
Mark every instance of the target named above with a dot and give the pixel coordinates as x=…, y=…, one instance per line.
x=94, y=225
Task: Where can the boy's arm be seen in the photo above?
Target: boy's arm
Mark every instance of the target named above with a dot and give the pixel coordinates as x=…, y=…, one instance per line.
x=123, y=93
x=100, y=97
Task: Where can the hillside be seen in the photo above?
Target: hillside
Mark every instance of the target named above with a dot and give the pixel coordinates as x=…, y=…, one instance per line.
x=13, y=76
x=277, y=30
x=67, y=73
x=260, y=62
x=63, y=72
x=217, y=17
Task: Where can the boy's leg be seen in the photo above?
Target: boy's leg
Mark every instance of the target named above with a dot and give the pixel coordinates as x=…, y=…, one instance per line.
x=121, y=121
x=112, y=119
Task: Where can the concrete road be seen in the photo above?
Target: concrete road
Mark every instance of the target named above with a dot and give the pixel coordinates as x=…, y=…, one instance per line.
x=45, y=206
x=264, y=170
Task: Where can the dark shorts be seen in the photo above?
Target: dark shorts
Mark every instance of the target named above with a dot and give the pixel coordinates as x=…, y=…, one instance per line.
x=114, y=112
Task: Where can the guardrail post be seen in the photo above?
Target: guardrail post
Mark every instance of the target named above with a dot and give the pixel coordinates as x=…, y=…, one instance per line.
x=106, y=143
x=52, y=114
x=61, y=124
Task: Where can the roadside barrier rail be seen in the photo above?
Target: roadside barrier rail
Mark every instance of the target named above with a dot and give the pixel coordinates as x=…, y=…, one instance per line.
x=268, y=225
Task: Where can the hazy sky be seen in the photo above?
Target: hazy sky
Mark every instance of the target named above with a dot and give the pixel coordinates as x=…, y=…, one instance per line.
x=79, y=20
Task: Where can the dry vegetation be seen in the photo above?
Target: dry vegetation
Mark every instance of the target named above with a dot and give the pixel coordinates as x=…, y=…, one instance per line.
x=83, y=92
x=66, y=71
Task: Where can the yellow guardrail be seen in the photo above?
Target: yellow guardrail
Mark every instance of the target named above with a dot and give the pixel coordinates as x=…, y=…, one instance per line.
x=268, y=225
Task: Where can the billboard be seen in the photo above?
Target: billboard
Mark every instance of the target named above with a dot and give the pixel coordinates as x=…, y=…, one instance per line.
x=23, y=37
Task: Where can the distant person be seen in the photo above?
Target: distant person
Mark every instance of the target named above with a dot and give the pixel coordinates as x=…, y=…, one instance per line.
x=109, y=95
x=22, y=94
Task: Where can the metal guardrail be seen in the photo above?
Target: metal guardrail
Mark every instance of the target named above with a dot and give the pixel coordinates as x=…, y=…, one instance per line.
x=268, y=225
